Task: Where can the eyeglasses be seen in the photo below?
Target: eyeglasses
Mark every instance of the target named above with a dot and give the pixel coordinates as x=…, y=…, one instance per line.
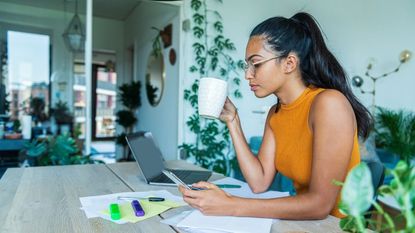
x=252, y=66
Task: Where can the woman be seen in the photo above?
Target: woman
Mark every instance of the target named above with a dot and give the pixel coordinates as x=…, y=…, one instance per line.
x=310, y=136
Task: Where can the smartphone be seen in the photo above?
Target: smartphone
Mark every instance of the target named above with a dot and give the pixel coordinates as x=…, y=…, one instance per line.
x=178, y=181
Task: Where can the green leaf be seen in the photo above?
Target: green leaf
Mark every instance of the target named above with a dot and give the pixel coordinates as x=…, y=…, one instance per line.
x=193, y=123
x=126, y=118
x=186, y=94
x=129, y=94
x=198, y=18
x=241, y=64
x=213, y=52
x=196, y=4
x=237, y=94
x=237, y=81
x=217, y=14
x=214, y=62
x=195, y=87
x=357, y=192
x=61, y=148
x=198, y=48
x=219, y=41
x=193, y=100
x=201, y=61
x=223, y=72
x=218, y=26
x=193, y=69
x=395, y=132
x=35, y=148
x=348, y=224
x=198, y=32
x=229, y=45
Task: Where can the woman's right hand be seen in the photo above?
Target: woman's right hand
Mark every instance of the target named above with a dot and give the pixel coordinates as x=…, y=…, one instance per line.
x=229, y=111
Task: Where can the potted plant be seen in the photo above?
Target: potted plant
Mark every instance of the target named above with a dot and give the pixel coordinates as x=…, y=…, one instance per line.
x=55, y=150
x=357, y=198
x=63, y=117
x=37, y=110
x=130, y=98
x=395, y=133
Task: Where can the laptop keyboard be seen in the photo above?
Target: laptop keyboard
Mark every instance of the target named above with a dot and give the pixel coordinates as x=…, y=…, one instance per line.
x=182, y=174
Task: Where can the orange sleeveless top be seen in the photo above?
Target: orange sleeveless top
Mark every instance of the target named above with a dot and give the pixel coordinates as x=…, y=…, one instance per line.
x=294, y=142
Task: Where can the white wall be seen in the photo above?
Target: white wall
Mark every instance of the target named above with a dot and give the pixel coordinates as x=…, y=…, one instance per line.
x=162, y=119
x=356, y=31
x=107, y=35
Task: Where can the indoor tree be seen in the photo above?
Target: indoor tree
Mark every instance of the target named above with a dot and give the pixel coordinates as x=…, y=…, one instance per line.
x=130, y=98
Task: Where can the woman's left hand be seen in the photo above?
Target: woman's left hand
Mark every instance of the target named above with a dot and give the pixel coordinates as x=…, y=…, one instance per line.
x=211, y=201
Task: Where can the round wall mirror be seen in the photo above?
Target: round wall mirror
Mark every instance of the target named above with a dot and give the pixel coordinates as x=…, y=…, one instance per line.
x=155, y=76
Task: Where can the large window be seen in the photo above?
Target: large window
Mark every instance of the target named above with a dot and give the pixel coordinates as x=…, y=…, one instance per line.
x=25, y=72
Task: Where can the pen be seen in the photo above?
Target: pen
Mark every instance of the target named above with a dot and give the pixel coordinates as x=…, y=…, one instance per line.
x=154, y=199
x=229, y=186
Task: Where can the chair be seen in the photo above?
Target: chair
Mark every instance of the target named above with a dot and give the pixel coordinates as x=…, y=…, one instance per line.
x=377, y=171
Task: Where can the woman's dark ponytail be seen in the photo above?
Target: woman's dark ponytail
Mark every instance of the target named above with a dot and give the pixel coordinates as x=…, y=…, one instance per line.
x=301, y=34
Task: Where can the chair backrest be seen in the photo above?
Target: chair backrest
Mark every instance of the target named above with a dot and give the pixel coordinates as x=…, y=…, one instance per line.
x=378, y=173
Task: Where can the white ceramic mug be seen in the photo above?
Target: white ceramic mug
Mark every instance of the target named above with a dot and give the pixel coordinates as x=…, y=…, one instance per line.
x=211, y=97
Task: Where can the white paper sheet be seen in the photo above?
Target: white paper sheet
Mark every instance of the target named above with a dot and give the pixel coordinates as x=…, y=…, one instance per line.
x=197, y=220
x=174, y=220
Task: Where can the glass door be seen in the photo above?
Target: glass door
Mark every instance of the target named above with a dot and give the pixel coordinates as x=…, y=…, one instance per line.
x=103, y=99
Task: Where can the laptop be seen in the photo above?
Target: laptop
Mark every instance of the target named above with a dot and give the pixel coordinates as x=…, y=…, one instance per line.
x=150, y=162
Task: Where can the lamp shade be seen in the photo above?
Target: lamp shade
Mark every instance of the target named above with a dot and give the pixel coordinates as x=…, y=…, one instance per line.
x=74, y=35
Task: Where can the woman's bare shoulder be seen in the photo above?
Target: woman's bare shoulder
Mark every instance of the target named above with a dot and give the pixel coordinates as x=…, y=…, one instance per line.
x=331, y=105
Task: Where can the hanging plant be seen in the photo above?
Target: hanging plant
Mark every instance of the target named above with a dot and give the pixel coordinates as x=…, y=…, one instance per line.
x=212, y=50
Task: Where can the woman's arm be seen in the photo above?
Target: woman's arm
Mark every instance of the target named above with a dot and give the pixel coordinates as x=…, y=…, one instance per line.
x=259, y=171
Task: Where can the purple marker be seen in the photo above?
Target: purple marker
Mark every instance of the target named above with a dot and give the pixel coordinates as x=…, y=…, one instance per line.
x=138, y=210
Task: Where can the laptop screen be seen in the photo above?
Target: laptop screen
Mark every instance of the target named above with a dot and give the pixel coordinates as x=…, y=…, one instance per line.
x=147, y=155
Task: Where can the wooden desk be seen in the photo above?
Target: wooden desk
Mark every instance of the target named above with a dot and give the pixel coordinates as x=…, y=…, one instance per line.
x=46, y=199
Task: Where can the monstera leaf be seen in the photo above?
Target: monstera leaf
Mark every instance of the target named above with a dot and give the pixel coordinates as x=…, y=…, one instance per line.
x=61, y=148
x=35, y=148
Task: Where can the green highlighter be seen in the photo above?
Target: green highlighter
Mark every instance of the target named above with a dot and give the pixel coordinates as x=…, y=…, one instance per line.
x=115, y=211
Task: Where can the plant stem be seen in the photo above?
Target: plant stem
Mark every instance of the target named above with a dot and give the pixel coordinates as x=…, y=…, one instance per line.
x=206, y=39
x=409, y=215
x=385, y=215
x=360, y=224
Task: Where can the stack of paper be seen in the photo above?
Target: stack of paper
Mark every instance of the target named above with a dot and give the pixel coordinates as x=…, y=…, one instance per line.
x=97, y=206
x=196, y=222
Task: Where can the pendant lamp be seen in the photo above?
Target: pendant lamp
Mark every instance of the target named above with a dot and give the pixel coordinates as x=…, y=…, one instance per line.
x=74, y=35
